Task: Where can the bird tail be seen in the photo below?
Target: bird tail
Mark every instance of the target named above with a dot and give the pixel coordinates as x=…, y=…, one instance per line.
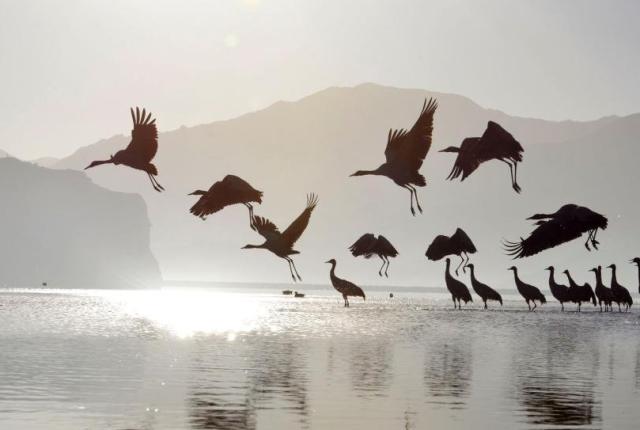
x=419, y=180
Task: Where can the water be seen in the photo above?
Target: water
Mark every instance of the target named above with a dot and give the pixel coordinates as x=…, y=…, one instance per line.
x=250, y=359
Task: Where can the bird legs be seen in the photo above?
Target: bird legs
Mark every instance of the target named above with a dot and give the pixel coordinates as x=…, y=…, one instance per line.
x=463, y=262
x=513, y=171
x=250, y=207
x=592, y=238
x=385, y=260
x=346, y=301
x=154, y=182
x=534, y=305
x=292, y=269
x=413, y=193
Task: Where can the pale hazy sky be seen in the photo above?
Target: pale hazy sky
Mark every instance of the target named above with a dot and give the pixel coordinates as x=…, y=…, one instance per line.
x=70, y=69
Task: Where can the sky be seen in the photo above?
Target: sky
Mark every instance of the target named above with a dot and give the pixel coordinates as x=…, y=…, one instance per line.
x=70, y=69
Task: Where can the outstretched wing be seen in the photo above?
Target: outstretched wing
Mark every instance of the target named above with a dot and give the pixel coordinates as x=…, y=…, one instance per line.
x=144, y=136
x=547, y=235
x=410, y=147
x=363, y=245
x=440, y=247
x=384, y=247
x=265, y=228
x=500, y=142
x=462, y=241
x=297, y=227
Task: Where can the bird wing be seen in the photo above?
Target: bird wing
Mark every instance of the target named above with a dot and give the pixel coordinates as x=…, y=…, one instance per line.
x=547, y=235
x=500, y=140
x=438, y=248
x=463, y=241
x=384, y=247
x=468, y=159
x=297, y=227
x=144, y=136
x=411, y=147
x=265, y=228
x=363, y=245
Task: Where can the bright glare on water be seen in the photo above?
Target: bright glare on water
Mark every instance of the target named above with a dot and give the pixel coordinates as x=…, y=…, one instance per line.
x=254, y=359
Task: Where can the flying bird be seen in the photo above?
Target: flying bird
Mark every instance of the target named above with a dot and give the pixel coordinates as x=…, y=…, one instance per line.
x=281, y=244
x=343, y=286
x=496, y=143
x=604, y=294
x=483, y=290
x=620, y=293
x=528, y=292
x=458, y=244
x=141, y=150
x=229, y=191
x=405, y=153
x=580, y=293
x=558, y=291
x=458, y=290
x=636, y=261
x=567, y=224
x=369, y=245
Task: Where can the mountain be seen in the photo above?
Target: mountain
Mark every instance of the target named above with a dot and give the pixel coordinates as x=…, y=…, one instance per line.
x=59, y=227
x=45, y=161
x=314, y=144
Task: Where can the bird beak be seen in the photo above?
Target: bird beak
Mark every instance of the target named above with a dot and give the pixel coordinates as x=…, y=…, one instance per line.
x=327, y=262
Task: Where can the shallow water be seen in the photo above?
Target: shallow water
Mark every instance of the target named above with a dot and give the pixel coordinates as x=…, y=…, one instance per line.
x=254, y=359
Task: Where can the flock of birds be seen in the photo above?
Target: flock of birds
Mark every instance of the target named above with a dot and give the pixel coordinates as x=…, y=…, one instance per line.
x=404, y=154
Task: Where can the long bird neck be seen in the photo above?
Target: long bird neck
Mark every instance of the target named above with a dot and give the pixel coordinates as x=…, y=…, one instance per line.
x=598, y=278
x=571, y=283
x=255, y=246
x=472, y=274
x=614, y=279
x=379, y=171
x=552, y=279
x=332, y=273
x=446, y=270
x=638, y=277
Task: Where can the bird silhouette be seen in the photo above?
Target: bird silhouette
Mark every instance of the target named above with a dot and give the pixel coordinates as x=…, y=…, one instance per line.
x=604, y=294
x=405, y=153
x=558, y=291
x=458, y=290
x=484, y=291
x=528, y=292
x=281, y=244
x=229, y=191
x=458, y=244
x=636, y=261
x=369, y=244
x=141, y=150
x=568, y=223
x=620, y=293
x=580, y=293
x=343, y=286
x=496, y=143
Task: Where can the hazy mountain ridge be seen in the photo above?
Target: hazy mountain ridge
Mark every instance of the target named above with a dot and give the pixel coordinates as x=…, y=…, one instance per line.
x=292, y=148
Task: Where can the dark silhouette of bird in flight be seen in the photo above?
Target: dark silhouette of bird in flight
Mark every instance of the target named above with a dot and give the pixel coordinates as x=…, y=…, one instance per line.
x=343, y=286
x=458, y=244
x=620, y=294
x=558, y=291
x=580, y=293
x=229, y=191
x=369, y=244
x=484, y=291
x=405, y=153
x=281, y=244
x=636, y=261
x=528, y=292
x=568, y=223
x=604, y=294
x=141, y=150
x=458, y=290
x=496, y=143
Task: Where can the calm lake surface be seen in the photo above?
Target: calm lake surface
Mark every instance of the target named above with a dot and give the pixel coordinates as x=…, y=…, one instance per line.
x=254, y=359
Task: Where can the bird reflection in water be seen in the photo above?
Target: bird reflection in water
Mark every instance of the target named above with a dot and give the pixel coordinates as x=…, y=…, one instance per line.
x=370, y=366
x=448, y=374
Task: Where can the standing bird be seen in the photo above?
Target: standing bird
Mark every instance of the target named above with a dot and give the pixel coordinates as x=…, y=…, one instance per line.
x=458, y=244
x=636, y=261
x=405, y=153
x=620, y=294
x=458, y=290
x=369, y=244
x=604, y=294
x=580, y=293
x=558, y=291
x=496, y=143
x=141, y=150
x=484, y=291
x=343, y=286
x=281, y=244
x=230, y=191
x=528, y=292
x=568, y=223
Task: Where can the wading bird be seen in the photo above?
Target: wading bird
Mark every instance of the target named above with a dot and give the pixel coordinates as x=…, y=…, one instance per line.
x=229, y=191
x=580, y=293
x=405, y=153
x=568, y=223
x=620, y=293
x=141, y=150
x=558, y=291
x=459, y=244
x=369, y=244
x=281, y=244
x=636, y=261
x=458, y=290
x=343, y=286
x=603, y=293
x=496, y=143
x=484, y=291
x=528, y=292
